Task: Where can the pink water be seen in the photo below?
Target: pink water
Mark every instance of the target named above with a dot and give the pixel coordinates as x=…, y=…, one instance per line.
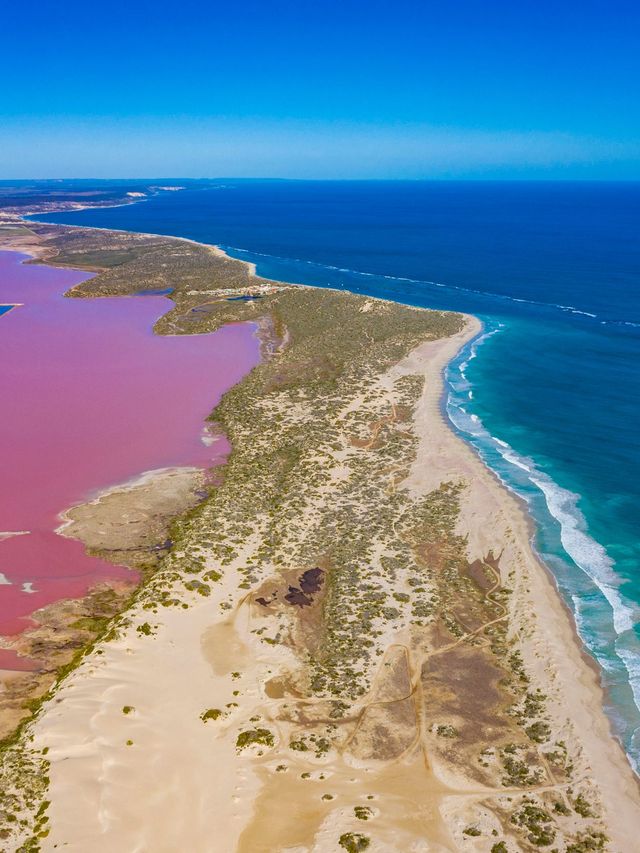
x=90, y=398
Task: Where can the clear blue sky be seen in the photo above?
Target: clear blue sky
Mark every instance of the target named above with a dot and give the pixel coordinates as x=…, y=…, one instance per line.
x=321, y=89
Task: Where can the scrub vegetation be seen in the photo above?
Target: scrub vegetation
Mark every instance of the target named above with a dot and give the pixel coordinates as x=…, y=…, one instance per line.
x=403, y=646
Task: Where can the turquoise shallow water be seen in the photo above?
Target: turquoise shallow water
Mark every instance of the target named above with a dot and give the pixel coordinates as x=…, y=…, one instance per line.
x=585, y=522
x=549, y=395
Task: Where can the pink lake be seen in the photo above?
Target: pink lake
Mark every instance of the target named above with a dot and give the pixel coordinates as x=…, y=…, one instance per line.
x=91, y=398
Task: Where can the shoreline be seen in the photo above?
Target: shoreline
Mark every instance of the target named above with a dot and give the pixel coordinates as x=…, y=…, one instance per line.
x=144, y=478
x=557, y=609
x=588, y=691
x=528, y=518
x=610, y=768
x=589, y=658
x=49, y=624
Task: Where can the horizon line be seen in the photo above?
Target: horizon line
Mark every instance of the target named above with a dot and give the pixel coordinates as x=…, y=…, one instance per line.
x=477, y=180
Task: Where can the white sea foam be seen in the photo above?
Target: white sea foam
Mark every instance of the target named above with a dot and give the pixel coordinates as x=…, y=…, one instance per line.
x=585, y=552
x=620, y=323
x=504, y=297
x=631, y=660
x=588, y=554
x=573, y=310
x=581, y=625
x=509, y=455
x=522, y=476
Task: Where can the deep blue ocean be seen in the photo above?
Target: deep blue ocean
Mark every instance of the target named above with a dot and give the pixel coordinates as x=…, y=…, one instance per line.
x=549, y=395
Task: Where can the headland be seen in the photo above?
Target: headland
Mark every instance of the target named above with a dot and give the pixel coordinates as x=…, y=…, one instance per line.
x=350, y=643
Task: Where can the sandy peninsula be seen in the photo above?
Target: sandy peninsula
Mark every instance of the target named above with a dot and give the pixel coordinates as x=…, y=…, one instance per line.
x=351, y=644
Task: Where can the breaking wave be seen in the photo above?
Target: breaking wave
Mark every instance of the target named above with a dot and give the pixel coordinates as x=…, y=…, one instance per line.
x=486, y=294
x=612, y=640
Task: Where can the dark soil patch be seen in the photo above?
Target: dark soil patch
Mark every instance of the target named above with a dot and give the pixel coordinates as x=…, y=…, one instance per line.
x=464, y=683
x=310, y=583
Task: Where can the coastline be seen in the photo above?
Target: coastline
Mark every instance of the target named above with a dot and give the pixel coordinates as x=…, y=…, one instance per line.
x=218, y=251
x=432, y=423
x=574, y=555
x=588, y=658
x=579, y=666
x=530, y=522
x=562, y=646
x=65, y=610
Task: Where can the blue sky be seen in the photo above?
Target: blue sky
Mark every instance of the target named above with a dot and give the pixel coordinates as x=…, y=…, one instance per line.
x=307, y=89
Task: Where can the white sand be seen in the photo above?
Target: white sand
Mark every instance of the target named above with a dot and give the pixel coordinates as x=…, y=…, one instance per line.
x=182, y=786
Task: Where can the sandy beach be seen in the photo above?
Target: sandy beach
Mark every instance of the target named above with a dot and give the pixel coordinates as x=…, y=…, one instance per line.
x=156, y=777
x=351, y=643
x=494, y=519
x=319, y=347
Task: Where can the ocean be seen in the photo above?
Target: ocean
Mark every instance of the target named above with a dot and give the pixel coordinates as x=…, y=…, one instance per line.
x=548, y=395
